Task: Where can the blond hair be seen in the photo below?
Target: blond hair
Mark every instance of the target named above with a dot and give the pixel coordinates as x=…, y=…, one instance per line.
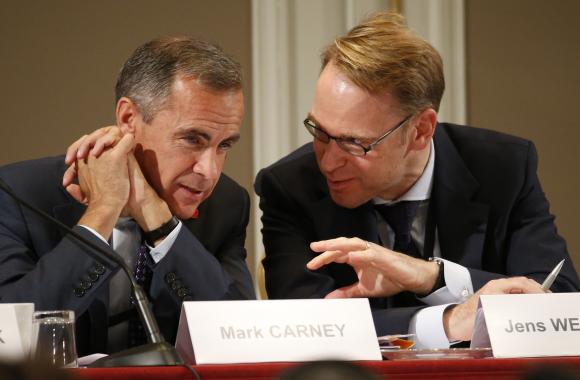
x=383, y=54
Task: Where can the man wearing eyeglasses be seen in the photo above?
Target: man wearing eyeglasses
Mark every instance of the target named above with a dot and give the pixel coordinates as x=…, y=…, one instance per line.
x=389, y=204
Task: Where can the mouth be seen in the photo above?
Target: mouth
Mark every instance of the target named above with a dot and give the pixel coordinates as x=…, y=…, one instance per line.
x=192, y=193
x=338, y=184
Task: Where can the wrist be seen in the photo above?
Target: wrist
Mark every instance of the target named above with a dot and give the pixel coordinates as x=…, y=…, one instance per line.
x=152, y=215
x=101, y=218
x=447, y=322
x=433, y=270
x=157, y=235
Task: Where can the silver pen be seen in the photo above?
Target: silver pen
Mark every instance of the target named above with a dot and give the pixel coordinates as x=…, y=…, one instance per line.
x=552, y=276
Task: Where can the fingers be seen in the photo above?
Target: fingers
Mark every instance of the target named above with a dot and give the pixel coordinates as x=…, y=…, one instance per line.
x=71, y=152
x=105, y=141
x=126, y=144
x=512, y=285
x=326, y=258
x=69, y=176
x=94, y=143
x=339, y=250
x=342, y=243
x=76, y=192
x=351, y=291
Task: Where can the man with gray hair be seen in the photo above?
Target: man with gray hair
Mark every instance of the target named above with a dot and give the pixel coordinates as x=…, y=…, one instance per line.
x=150, y=188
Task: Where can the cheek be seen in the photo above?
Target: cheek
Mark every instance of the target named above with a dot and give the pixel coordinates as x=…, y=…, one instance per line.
x=318, y=148
x=174, y=169
x=370, y=174
x=220, y=161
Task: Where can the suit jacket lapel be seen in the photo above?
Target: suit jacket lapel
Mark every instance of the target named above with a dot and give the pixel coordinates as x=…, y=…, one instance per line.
x=461, y=222
x=338, y=221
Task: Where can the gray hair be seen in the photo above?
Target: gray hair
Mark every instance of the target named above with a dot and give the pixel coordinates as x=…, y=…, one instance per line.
x=147, y=76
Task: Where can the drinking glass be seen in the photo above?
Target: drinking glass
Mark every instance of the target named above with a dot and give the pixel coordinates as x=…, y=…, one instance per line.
x=53, y=337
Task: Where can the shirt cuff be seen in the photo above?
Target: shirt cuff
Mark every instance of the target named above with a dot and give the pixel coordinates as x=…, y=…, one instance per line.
x=158, y=253
x=427, y=325
x=95, y=233
x=457, y=289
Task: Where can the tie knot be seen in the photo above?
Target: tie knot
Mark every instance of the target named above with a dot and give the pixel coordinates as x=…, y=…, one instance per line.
x=399, y=215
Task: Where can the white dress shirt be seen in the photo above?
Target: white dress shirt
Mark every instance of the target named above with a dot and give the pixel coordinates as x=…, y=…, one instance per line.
x=427, y=323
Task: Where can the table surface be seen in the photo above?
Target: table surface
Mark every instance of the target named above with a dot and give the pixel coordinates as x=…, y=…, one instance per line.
x=399, y=369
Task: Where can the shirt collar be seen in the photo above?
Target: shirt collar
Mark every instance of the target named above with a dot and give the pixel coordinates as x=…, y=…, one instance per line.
x=421, y=189
x=124, y=222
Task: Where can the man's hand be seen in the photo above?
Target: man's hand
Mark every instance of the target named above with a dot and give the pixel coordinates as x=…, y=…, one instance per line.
x=93, y=144
x=458, y=320
x=381, y=272
x=104, y=183
x=144, y=204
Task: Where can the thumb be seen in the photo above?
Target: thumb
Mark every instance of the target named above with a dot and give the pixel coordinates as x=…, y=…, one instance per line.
x=76, y=192
x=69, y=176
x=350, y=291
x=126, y=144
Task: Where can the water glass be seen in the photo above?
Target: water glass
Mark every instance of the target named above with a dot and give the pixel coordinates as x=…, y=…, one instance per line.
x=53, y=338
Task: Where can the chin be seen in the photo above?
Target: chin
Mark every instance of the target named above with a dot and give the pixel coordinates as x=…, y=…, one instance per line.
x=183, y=212
x=346, y=201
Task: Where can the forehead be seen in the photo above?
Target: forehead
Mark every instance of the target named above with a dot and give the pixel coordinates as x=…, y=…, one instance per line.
x=193, y=105
x=191, y=94
x=342, y=107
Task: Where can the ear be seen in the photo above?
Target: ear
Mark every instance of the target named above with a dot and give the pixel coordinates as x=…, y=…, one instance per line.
x=424, y=123
x=127, y=114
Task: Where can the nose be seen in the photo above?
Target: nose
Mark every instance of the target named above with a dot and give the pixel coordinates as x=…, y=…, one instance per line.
x=207, y=164
x=332, y=156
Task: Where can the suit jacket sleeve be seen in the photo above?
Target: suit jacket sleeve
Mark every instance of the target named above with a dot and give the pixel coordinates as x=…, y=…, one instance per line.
x=531, y=245
x=287, y=234
x=39, y=265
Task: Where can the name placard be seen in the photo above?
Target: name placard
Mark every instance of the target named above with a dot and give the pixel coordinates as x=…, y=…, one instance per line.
x=214, y=332
x=15, y=330
x=530, y=325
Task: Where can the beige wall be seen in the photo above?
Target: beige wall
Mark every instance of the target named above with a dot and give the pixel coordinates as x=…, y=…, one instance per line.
x=523, y=69
x=59, y=61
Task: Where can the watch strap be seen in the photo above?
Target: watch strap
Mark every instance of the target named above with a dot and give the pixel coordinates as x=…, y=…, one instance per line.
x=162, y=231
x=440, y=277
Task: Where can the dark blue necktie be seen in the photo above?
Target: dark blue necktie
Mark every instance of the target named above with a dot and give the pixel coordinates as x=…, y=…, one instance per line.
x=400, y=218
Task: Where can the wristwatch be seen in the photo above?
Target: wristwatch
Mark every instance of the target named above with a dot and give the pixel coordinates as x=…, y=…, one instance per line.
x=162, y=231
x=440, y=282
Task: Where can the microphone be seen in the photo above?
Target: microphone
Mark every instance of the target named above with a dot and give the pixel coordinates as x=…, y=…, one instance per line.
x=157, y=352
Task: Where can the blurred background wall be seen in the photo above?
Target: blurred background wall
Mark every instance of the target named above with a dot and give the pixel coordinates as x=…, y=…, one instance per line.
x=510, y=66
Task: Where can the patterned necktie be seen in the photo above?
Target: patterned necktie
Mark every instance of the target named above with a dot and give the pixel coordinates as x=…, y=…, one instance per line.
x=142, y=271
x=143, y=275
x=400, y=218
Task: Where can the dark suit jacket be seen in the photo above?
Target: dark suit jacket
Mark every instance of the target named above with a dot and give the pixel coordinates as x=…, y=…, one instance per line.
x=491, y=216
x=42, y=264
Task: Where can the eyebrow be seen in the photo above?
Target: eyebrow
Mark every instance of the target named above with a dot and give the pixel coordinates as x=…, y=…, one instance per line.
x=345, y=137
x=206, y=136
x=193, y=132
x=233, y=139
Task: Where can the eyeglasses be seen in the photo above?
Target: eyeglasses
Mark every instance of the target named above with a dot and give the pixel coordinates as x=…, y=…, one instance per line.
x=349, y=144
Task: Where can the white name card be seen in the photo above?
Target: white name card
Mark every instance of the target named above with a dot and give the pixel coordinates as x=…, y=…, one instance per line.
x=216, y=332
x=529, y=325
x=15, y=330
